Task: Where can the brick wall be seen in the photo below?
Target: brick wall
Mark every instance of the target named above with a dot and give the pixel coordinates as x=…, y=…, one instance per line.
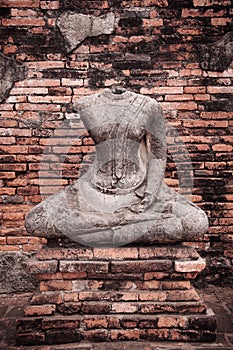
x=178, y=52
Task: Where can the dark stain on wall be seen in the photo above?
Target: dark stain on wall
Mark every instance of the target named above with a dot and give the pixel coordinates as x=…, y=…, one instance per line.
x=10, y=72
x=218, y=55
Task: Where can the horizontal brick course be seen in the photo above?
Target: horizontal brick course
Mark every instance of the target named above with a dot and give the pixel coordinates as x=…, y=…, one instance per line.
x=140, y=266
x=147, y=53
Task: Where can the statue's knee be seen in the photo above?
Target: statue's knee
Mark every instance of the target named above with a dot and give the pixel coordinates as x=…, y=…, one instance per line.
x=196, y=222
x=38, y=221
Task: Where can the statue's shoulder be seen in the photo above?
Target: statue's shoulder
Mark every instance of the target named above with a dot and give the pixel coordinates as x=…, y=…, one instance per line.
x=86, y=102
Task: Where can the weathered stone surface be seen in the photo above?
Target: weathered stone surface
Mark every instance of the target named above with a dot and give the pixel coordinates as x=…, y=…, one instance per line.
x=173, y=307
x=75, y=27
x=140, y=266
x=190, y=266
x=104, y=309
x=29, y=324
x=82, y=266
x=10, y=72
x=35, y=267
x=217, y=56
x=37, y=310
x=122, y=197
x=80, y=253
x=47, y=298
x=62, y=336
x=13, y=273
x=115, y=253
x=36, y=338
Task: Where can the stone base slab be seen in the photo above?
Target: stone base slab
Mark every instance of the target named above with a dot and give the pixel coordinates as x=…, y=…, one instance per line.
x=116, y=294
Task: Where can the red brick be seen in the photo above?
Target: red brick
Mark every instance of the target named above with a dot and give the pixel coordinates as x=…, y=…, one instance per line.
x=20, y=3
x=190, y=72
x=186, y=97
x=175, y=285
x=2, y=240
x=222, y=148
x=96, y=335
x=31, y=247
x=190, y=13
x=228, y=253
x=14, y=167
x=27, y=190
x=213, y=13
x=133, y=334
x=49, y=5
x=202, y=97
x=6, y=248
x=172, y=321
x=35, y=267
x=157, y=334
x=94, y=296
x=17, y=182
x=72, y=82
x=167, y=252
x=122, y=307
x=153, y=296
x=55, y=285
x=39, y=310
x=49, y=276
x=162, y=90
x=183, y=295
x=38, y=107
x=71, y=296
x=29, y=90
x=220, y=21
x=17, y=240
x=9, y=49
x=115, y=253
x=31, y=338
x=189, y=106
x=7, y=175
x=83, y=266
x=30, y=83
x=155, y=275
x=205, y=124
x=140, y=266
x=26, y=21
x=190, y=266
x=219, y=90
x=47, y=298
x=147, y=285
x=226, y=221
x=14, y=149
x=100, y=322
x=7, y=191
x=60, y=323
x=8, y=123
x=154, y=13
x=155, y=22
x=24, y=13
x=215, y=165
x=195, y=89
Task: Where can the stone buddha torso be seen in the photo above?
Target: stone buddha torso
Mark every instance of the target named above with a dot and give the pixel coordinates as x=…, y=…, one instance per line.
x=122, y=197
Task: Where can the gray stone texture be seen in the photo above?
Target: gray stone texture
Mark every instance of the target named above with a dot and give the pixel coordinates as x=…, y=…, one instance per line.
x=13, y=274
x=217, y=56
x=10, y=72
x=122, y=197
x=75, y=27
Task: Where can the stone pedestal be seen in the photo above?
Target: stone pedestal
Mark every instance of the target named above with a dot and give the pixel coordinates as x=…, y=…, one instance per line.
x=109, y=294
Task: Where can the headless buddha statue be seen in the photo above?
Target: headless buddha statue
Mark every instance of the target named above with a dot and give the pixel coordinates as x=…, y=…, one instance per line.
x=122, y=197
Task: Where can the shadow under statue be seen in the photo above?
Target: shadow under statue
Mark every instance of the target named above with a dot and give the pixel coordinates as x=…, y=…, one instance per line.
x=122, y=197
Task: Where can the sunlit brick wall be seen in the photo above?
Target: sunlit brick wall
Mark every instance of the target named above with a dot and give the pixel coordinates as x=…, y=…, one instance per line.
x=154, y=50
